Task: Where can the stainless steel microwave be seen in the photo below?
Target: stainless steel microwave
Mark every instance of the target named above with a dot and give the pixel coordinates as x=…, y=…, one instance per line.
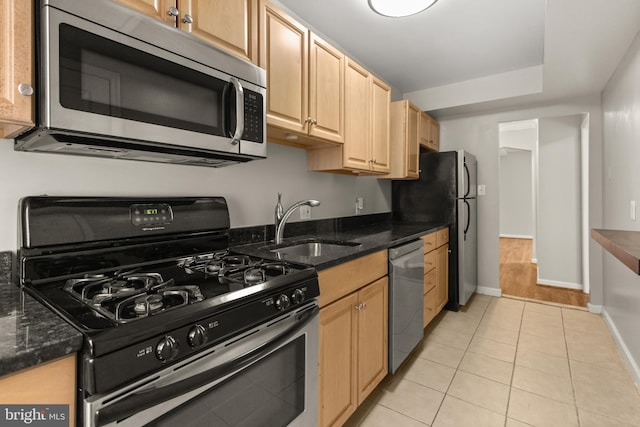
x=113, y=82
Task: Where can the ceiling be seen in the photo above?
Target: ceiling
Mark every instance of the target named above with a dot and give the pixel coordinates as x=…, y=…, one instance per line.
x=467, y=55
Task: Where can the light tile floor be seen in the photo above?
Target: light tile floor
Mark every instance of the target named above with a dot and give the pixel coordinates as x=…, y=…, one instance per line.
x=507, y=362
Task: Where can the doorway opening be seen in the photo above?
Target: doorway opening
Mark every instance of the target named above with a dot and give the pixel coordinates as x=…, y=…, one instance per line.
x=542, y=201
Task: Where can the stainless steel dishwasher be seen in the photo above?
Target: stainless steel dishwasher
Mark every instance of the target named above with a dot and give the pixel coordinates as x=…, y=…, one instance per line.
x=406, y=301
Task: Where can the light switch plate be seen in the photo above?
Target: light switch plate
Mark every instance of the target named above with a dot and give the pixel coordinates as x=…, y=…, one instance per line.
x=360, y=202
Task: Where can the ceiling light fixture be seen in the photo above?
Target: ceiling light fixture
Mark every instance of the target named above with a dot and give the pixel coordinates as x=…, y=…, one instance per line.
x=400, y=8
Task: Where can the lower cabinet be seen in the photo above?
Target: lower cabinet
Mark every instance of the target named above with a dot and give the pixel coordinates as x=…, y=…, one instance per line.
x=353, y=336
x=49, y=383
x=436, y=273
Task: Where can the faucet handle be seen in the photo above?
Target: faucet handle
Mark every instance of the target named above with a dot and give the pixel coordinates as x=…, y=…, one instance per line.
x=279, y=211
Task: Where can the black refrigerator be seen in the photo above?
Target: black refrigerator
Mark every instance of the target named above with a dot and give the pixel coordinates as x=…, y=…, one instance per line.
x=446, y=192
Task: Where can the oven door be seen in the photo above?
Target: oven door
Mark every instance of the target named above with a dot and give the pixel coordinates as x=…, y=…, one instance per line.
x=99, y=81
x=265, y=377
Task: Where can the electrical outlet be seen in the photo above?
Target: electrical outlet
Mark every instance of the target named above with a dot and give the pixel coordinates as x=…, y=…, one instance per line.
x=632, y=206
x=360, y=202
x=305, y=212
x=482, y=190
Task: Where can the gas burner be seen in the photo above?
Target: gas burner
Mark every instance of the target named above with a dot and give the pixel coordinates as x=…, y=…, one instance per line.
x=254, y=275
x=147, y=304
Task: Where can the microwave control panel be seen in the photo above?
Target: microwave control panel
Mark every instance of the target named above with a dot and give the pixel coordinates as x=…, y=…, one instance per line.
x=253, y=117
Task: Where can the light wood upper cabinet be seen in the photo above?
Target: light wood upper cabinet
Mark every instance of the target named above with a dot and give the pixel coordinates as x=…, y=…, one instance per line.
x=229, y=24
x=158, y=9
x=380, y=127
x=357, y=153
x=285, y=56
x=326, y=90
x=429, y=132
x=305, y=102
x=404, y=141
x=16, y=67
x=366, y=128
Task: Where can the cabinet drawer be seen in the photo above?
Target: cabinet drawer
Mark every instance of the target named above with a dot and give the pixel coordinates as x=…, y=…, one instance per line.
x=430, y=304
x=429, y=242
x=429, y=261
x=442, y=236
x=429, y=280
x=341, y=280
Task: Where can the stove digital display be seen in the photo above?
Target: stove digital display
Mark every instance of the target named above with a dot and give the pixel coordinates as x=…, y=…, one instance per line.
x=151, y=215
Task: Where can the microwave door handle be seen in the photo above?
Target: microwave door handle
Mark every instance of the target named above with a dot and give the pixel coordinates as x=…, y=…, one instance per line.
x=145, y=399
x=237, y=136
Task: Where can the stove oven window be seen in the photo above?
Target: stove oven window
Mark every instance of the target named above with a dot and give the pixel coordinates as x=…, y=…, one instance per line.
x=268, y=393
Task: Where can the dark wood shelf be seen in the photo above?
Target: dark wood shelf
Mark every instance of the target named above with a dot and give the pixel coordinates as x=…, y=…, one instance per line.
x=623, y=244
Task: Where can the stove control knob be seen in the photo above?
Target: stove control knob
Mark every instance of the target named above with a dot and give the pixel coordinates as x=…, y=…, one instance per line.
x=283, y=302
x=197, y=336
x=298, y=296
x=167, y=349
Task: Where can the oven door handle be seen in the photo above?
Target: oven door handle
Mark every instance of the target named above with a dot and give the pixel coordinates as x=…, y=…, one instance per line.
x=137, y=402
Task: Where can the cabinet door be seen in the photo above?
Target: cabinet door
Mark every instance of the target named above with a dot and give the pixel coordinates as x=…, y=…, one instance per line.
x=158, y=9
x=442, y=268
x=16, y=67
x=337, y=361
x=435, y=135
x=326, y=90
x=356, y=116
x=230, y=24
x=425, y=130
x=285, y=56
x=373, y=335
x=380, y=117
x=52, y=382
x=413, y=150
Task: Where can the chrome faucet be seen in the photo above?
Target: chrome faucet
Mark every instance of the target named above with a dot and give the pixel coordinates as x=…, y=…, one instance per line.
x=281, y=218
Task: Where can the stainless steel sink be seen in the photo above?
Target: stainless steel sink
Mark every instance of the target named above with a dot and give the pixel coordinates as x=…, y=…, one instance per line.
x=312, y=248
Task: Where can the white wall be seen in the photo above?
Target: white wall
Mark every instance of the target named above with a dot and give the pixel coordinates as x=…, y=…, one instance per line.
x=479, y=134
x=516, y=193
x=621, y=154
x=559, y=237
x=250, y=188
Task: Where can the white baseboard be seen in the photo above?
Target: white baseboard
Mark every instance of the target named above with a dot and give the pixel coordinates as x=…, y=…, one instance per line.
x=626, y=354
x=492, y=292
x=597, y=309
x=516, y=236
x=560, y=284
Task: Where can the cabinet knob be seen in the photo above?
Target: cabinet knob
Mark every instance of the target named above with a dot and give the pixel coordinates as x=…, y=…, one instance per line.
x=173, y=11
x=25, y=89
x=188, y=19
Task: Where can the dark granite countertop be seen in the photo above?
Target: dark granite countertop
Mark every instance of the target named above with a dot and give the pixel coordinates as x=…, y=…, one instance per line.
x=368, y=238
x=30, y=333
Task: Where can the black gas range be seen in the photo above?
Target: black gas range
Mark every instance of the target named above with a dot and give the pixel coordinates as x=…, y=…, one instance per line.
x=149, y=282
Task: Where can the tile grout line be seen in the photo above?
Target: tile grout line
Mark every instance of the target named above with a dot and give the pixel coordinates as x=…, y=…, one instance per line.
x=573, y=389
x=513, y=370
x=446, y=393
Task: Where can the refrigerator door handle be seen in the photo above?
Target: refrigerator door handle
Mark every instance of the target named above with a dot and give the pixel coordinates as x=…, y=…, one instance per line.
x=466, y=227
x=468, y=183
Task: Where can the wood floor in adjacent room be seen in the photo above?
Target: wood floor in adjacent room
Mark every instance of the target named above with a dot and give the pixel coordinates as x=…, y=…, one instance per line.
x=518, y=276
